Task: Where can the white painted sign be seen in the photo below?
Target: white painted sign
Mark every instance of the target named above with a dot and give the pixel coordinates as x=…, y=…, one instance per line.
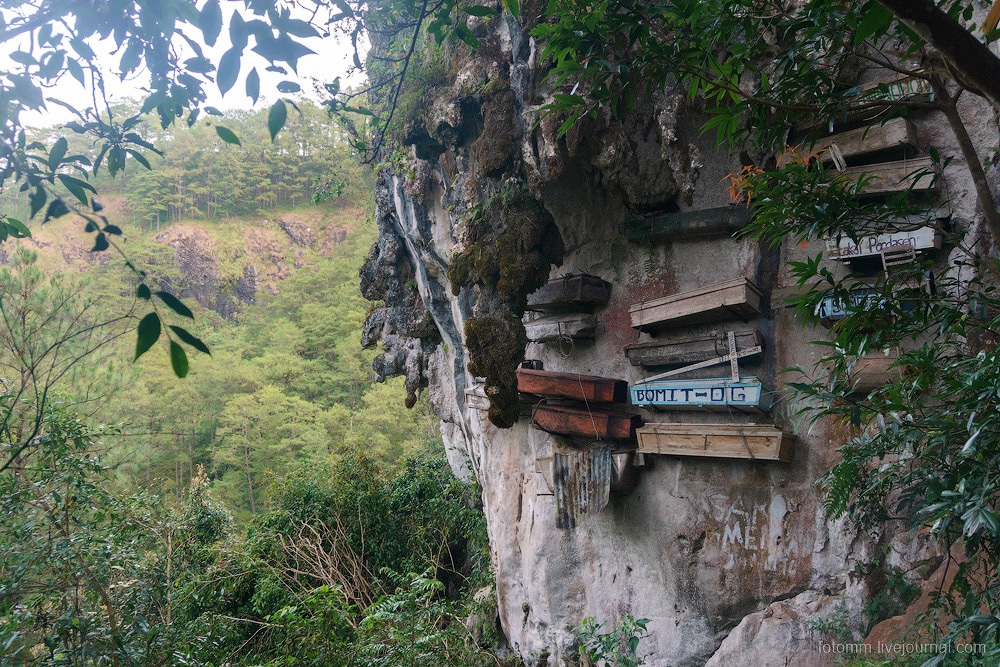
x=922, y=238
x=710, y=393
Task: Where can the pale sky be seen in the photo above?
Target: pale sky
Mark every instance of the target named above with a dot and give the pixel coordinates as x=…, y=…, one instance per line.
x=333, y=58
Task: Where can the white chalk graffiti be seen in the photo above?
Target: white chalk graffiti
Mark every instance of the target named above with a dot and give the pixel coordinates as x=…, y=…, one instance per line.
x=756, y=533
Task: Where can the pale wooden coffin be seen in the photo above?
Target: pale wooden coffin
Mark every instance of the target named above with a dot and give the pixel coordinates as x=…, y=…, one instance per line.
x=726, y=441
x=891, y=178
x=738, y=299
x=573, y=326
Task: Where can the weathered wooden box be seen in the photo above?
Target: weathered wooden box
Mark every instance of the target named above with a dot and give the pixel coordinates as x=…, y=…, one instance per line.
x=573, y=326
x=735, y=299
x=590, y=388
x=890, y=178
x=571, y=291
x=895, y=138
x=688, y=350
x=703, y=223
x=587, y=423
x=726, y=441
x=875, y=370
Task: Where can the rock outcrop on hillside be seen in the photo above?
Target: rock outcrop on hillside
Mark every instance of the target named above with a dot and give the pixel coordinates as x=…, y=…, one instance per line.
x=733, y=561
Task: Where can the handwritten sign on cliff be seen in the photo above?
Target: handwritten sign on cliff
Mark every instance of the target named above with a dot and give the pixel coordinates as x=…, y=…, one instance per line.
x=701, y=394
x=922, y=238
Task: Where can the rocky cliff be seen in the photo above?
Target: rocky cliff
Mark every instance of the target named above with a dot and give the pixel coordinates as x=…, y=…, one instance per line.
x=733, y=561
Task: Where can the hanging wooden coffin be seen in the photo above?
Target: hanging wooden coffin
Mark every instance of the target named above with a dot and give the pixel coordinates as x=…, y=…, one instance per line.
x=873, y=371
x=894, y=138
x=893, y=88
x=586, y=423
x=706, y=394
x=918, y=239
x=574, y=326
x=580, y=291
x=578, y=387
x=704, y=223
x=734, y=299
x=891, y=178
x=681, y=351
x=726, y=441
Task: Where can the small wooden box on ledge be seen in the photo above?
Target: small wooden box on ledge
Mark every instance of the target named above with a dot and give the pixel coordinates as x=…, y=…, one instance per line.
x=570, y=291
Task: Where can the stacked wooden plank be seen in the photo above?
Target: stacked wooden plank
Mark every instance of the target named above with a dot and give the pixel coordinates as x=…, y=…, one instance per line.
x=567, y=303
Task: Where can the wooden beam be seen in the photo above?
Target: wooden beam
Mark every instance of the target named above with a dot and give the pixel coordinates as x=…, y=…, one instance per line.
x=726, y=441
x=580, y=422
x=578, y=387
x=688, y=350
x=735, y=299
x=702, y=223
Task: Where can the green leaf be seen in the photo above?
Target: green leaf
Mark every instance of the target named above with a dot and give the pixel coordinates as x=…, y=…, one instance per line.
x=100, y=243
x=193, y=341
x=276, y=118
x=227, y=135
x=112, y=229
x=175, y=304
x=288, y=87
x=147, y=334
x=76, y=187
x=229, y=69
x=875, y=21
x=17, y=229
x=140, y=158
x=178, y=359
x=210, y=21
x=513, y=7
x=464, y=34
x=56, y=209
x=57, y=153
x=479, y=10
x=142, y=292
x=253, y=85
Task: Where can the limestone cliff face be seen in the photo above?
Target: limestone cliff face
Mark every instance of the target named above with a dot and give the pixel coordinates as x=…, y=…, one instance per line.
x=734, y=562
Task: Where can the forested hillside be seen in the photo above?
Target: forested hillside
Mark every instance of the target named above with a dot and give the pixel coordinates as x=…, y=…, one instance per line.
x=275, y=505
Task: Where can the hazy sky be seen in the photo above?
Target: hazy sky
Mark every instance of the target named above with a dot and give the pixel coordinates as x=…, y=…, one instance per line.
x=333, y=58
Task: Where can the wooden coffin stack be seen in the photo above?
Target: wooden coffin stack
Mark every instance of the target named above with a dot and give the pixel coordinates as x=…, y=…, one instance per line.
x=697, y=224
x=566, y=305
x=585, y=408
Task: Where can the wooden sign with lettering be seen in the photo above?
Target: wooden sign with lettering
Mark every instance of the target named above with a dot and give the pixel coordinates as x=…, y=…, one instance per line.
x=706, y=394
x=832, y=309
x=726, y=441
x=919, y=239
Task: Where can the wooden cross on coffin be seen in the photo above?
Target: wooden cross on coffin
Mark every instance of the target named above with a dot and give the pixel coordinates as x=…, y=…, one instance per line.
x=732, y=357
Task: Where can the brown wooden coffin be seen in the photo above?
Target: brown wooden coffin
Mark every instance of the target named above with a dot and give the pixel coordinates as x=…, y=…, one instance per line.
x=579, y=421
x=893, y=139
x=891, y=178
x=873, y=371
x=574, y=326
x=690, y=350
x=738, y=299
x=582, y=291
x=725, y=441
x=703, y=223
x=578, y=387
